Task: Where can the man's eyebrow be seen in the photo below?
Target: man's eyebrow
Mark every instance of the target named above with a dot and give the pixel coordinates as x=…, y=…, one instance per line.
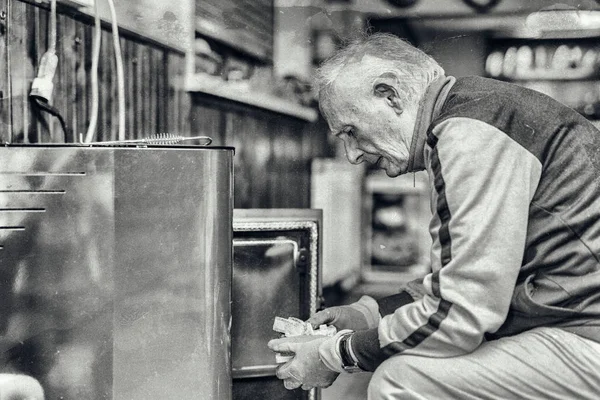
x=335, y=132
x=344, y=129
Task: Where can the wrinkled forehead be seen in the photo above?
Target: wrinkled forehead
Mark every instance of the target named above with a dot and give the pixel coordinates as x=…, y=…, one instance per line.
x=335, y=107
x=344, y=95
x=328, y=110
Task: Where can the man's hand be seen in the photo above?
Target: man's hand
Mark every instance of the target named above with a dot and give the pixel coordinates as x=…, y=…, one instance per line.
x=306, y=369
x=358, y=316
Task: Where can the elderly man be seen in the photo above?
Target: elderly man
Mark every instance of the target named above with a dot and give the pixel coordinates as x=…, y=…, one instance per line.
x=511, y=309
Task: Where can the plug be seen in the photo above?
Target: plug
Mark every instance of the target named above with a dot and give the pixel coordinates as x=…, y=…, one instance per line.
x=42, y=86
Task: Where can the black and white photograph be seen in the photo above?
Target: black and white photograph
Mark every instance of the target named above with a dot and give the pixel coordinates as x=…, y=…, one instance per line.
x=300, y=199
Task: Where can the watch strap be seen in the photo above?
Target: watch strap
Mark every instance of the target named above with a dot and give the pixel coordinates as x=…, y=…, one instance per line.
x=349, y=361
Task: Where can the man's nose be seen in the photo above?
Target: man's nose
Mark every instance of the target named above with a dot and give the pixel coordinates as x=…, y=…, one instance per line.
x=354, y=155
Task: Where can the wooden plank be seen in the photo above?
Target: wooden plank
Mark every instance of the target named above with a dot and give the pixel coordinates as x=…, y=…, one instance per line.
x=146, y=92
x=184, y=126
x=5, y=94
x=152, y=82
x=243, y=178
x=82, y=47
x=30, y=123
x=130, y=84
x=172, y=93
x=258, y=15
x=105, y=73
x=68, y=59
x=17, y=39
x=208, y=120
x=42, y=121
x=289, y=167
x=113, y=89
x=261, y=147
x=161, y=79
x=244, y=25
x=140, y=94
x=61, y=78
x=216, y=87
x=87, y=54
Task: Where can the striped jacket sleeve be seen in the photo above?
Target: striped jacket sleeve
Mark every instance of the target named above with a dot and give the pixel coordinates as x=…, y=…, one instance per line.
x=482, y=183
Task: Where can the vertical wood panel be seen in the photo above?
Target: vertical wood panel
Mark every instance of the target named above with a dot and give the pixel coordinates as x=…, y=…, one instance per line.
x=41, y=120
x=19, y=69
x=153, y=96
x=111, y=95
x=60, y=93
x=272, y=164
x=154, y=102
x=273, y=152
x=242, y=177
x=81, y=95
x=258, y=142
x=161, y=78
x=29, y=121
x=129, y=62
x=68, y=90
x=140, y=93
x=208, y=120
x=144, y=62
x=173, y=103
x=103, y=131
x=185, y=103
x=5, y=98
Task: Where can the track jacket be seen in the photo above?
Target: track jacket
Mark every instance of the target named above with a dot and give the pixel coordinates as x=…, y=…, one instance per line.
x=515, y=197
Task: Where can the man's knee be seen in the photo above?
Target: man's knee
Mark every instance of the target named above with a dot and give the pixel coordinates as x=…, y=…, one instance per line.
x=399, y=377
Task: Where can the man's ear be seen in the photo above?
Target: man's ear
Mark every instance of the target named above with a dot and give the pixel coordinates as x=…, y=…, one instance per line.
x=386, y=86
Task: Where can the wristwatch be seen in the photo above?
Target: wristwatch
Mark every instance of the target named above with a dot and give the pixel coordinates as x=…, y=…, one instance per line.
x=349, y=361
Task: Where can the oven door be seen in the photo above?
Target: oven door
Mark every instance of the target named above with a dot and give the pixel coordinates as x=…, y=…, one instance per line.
x=276, y=263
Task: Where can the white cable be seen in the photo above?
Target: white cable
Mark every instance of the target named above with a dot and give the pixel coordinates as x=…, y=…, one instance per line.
x=52, y=40
x=120, y=79
x=89, y=136
x=42, y=85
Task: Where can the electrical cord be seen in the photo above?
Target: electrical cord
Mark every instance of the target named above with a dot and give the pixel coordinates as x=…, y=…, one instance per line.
x=42, y=86
x=119, y=62
x=52, y=39
x=89, y=136
x=43, y=105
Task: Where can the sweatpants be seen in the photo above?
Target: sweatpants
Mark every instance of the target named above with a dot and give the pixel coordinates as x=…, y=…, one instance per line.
x=544, y=363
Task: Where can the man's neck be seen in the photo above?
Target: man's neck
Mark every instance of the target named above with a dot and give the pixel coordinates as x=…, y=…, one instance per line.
x=429, y=107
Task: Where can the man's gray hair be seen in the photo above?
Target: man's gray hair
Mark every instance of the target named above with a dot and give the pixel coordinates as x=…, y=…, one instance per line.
x=415, y=68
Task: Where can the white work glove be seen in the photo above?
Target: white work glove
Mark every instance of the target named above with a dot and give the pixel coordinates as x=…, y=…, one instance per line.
x=358, y=316
x=13, y=386
x=306, y=369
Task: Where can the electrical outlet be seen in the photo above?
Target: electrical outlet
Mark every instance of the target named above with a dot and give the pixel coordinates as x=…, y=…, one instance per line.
x=77, y=3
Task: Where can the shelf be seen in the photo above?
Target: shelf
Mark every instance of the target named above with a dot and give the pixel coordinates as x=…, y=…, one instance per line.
x=241, y=93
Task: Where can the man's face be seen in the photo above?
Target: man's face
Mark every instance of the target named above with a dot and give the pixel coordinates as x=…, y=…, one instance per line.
x=371, y=129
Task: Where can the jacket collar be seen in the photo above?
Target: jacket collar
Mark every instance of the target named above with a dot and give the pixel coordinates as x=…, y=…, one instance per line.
x=429, y=108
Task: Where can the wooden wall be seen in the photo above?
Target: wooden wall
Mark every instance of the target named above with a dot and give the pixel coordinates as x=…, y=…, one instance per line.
x=273, y=152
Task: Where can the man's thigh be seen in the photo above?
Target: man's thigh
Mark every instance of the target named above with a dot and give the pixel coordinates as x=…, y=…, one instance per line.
x=544, y=363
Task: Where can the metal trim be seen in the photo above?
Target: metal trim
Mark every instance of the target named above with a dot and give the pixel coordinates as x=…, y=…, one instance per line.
x=290, y=226
x=313, y=227
x=254, y=371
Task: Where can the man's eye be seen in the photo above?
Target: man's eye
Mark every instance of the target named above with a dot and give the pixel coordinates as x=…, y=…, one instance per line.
x=350, y=132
